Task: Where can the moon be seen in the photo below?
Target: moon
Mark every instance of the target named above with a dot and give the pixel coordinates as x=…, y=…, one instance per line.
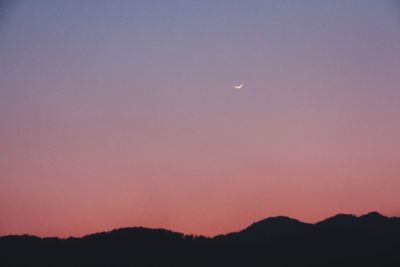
x=238, y=87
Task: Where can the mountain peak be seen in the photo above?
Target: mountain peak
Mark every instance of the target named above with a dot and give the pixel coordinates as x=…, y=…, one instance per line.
x=372, y=215
x=339, y=219
x=277, y=220
x=272, y=227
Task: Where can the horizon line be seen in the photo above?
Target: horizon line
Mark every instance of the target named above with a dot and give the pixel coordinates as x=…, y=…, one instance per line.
x=200, y=235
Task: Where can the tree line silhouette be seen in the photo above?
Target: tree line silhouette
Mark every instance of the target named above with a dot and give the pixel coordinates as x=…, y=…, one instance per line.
x=342, y=240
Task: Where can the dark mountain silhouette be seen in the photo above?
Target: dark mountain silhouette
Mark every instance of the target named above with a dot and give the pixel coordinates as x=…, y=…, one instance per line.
x=271, y=228
x=342, y=240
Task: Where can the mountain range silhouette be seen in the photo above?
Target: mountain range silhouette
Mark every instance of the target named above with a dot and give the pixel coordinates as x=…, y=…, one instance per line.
x=342, y=240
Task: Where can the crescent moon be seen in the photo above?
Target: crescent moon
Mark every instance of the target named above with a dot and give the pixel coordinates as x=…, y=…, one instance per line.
x=238, y=87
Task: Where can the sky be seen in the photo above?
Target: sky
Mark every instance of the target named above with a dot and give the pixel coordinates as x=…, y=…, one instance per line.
x=124, y=113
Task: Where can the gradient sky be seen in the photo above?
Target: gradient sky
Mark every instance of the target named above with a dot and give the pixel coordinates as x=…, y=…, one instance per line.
x=123, y=113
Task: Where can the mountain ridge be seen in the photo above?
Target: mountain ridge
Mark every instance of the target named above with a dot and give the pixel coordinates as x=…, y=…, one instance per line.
x=373, y=214
x=341, y=240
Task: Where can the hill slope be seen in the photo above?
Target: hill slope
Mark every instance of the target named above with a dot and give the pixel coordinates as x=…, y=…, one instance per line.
x=342, y=240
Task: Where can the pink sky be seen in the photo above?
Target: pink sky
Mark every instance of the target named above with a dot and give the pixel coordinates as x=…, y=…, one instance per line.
x=125, y=115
